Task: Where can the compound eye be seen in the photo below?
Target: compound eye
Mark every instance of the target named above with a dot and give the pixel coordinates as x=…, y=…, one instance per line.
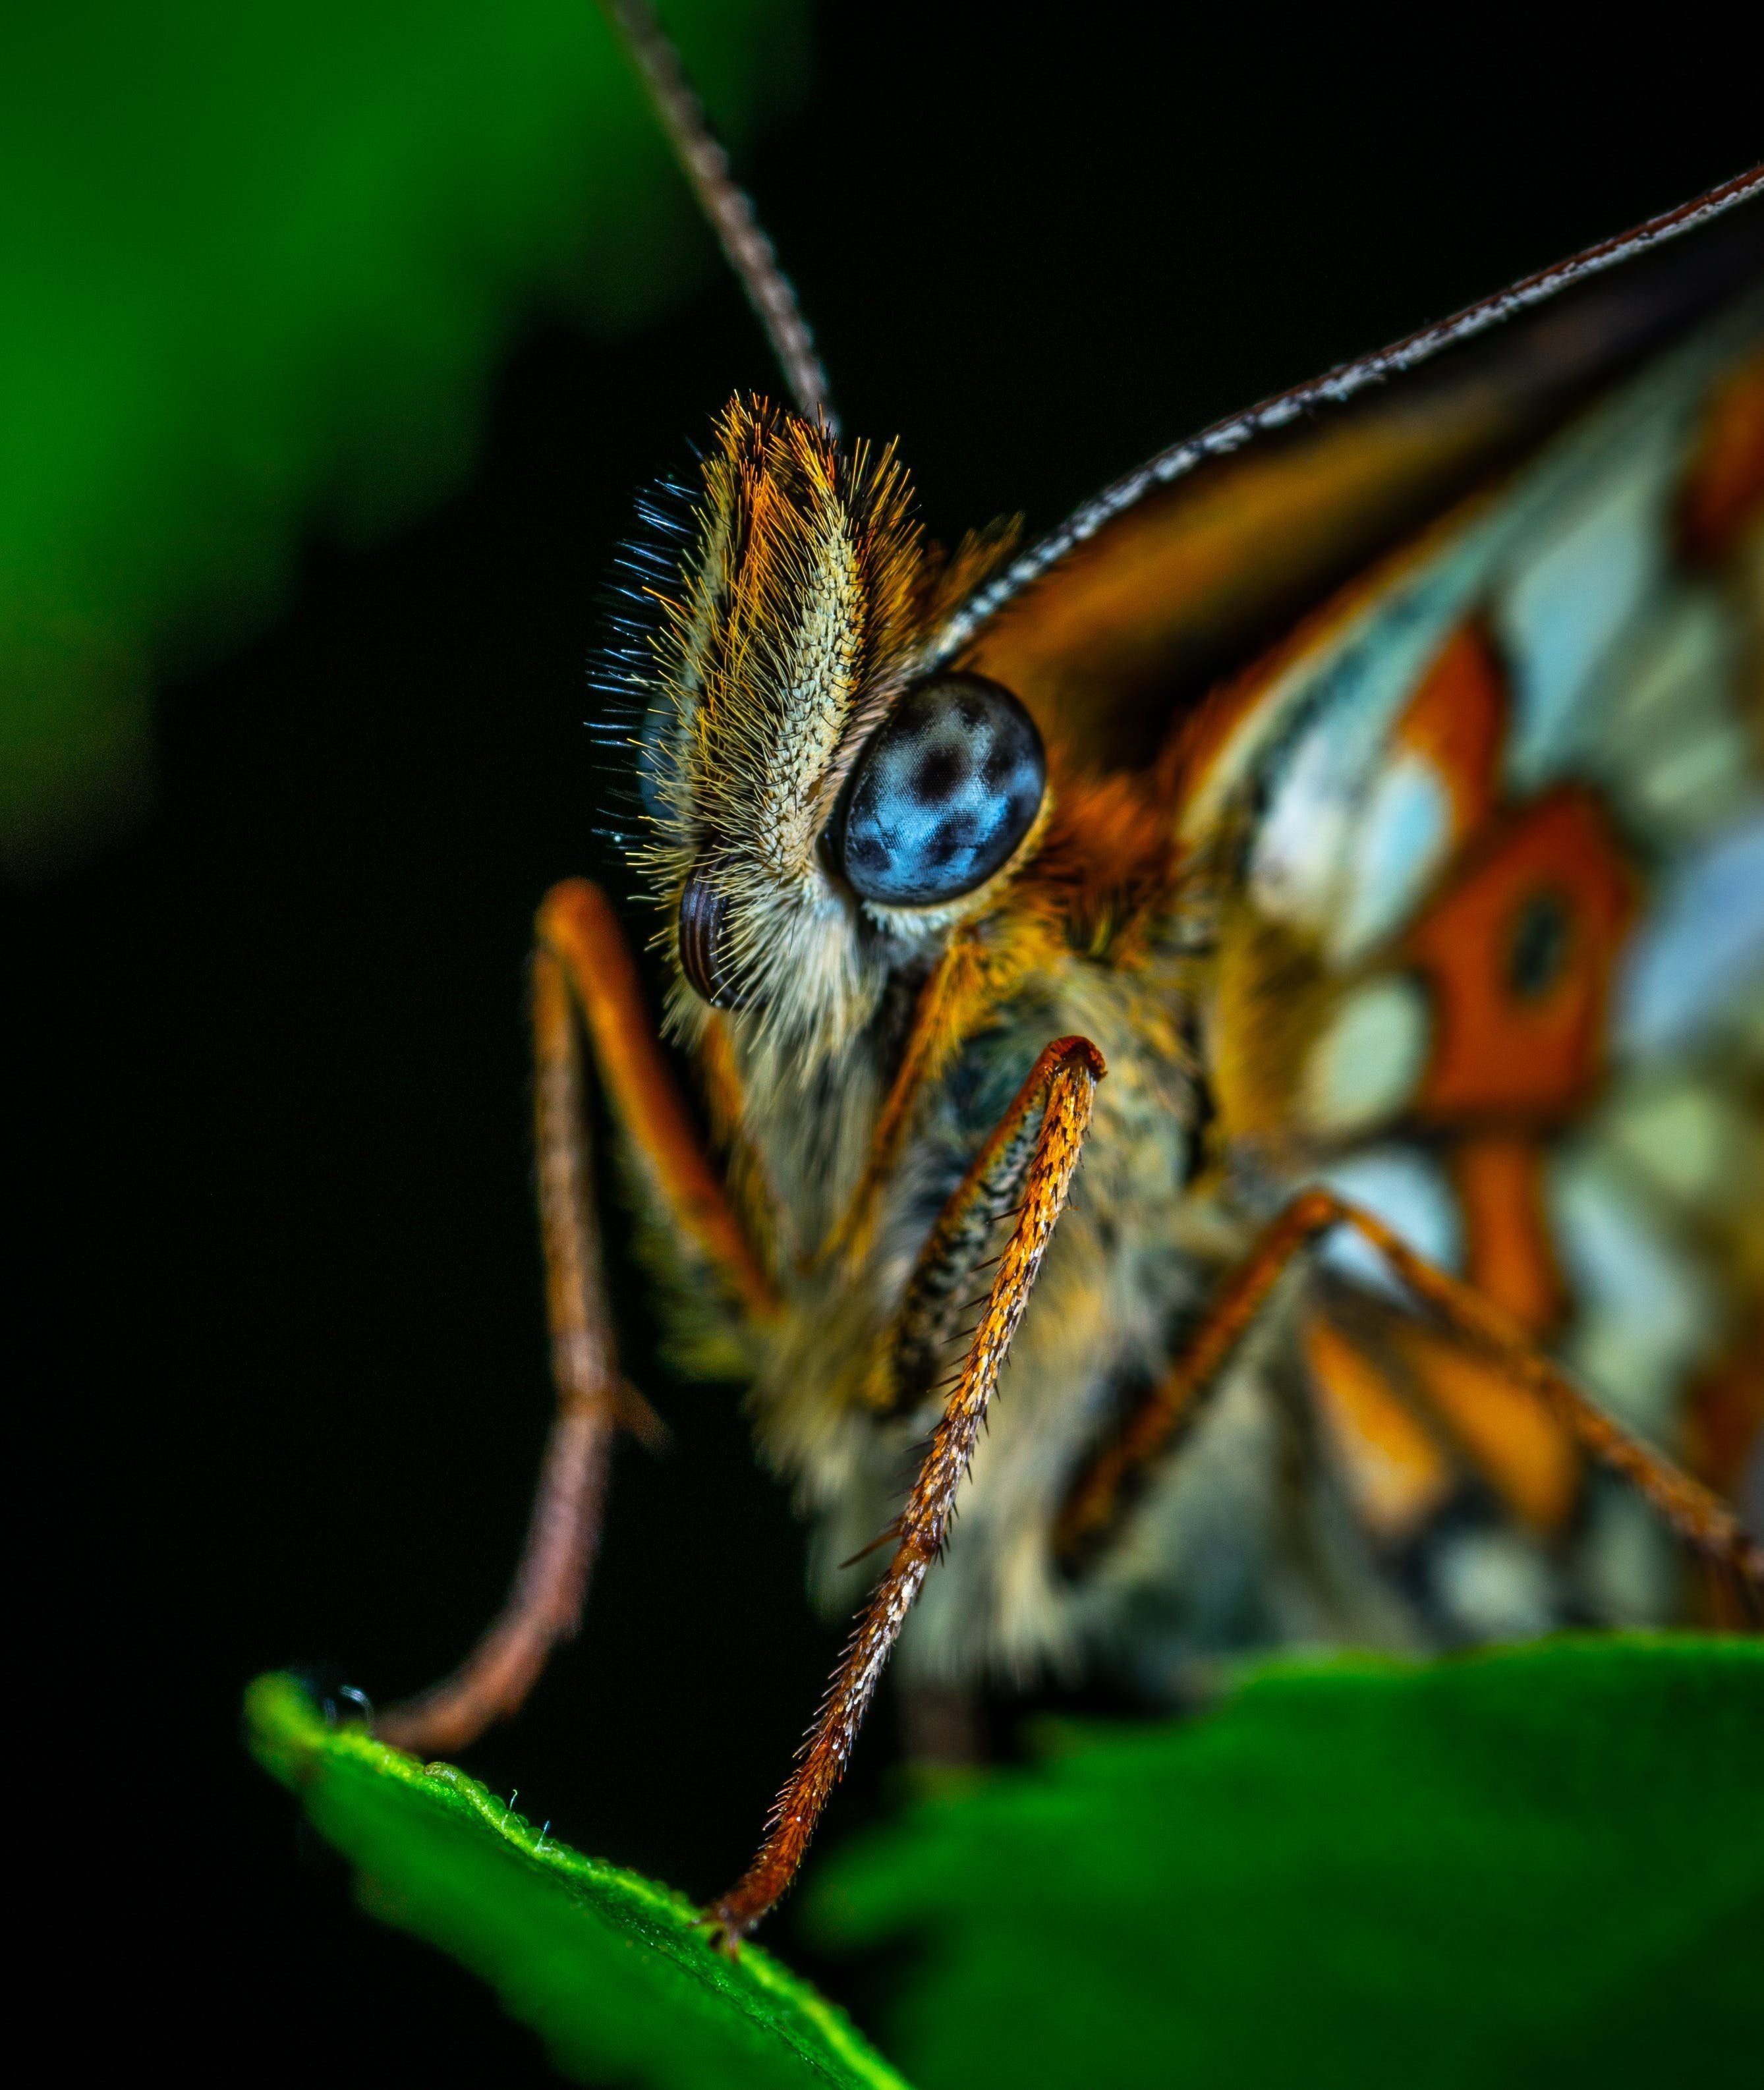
x=943, y=794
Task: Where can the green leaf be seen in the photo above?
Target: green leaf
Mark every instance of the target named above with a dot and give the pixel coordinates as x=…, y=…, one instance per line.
x=1541, y=1865
x=606, y=1965
x=256, y=263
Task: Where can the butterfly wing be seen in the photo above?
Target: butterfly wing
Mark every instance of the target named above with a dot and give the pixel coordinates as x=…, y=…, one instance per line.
x=1167, y=582
x=1492, y=791
x=1495, y=967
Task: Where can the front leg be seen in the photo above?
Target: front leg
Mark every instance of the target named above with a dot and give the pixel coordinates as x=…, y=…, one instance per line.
x=584, y=984
x=1059, y=1093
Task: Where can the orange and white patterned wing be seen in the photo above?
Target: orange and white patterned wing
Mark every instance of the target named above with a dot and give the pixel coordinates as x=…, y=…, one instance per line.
x=1496, y=969
x=1447, y=663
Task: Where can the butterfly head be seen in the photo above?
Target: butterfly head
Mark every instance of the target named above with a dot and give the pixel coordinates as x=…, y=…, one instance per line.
x=820, y=809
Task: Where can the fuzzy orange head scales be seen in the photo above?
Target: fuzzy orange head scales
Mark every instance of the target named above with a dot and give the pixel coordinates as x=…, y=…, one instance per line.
x=800, y=782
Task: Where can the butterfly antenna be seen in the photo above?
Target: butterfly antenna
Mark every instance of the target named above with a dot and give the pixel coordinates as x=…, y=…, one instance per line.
x=727, y=206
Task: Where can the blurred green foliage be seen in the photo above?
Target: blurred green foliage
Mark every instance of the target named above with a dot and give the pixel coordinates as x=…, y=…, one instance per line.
x=607, y=1968
x=254, y=262
x=1539, y=1866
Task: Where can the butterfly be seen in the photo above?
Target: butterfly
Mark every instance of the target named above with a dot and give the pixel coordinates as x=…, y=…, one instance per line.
x=1229, y=1043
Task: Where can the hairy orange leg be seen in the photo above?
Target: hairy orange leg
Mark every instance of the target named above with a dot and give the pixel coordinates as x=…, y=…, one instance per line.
x=577, y=924
x=1057, y=1096
x=583, y=982
x=1702, y=1519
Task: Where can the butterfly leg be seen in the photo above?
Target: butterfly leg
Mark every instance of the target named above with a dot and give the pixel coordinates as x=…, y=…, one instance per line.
x=1029, y=1160
x=584, y=984
x=1702, y=1519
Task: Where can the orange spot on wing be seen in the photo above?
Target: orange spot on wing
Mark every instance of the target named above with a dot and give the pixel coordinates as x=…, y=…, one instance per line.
x=1395, y=1472
x=1724, y=487
x=1503, y=1428
x=1509, y=1257
x=1519, y=951
x=1456, y=721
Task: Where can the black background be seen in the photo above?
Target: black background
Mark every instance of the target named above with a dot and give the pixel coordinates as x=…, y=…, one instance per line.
x=290, y=1385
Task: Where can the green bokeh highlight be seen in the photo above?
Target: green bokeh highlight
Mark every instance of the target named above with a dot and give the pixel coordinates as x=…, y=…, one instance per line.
x=1540, y=1866
x=254, y=264
x=607, y=1968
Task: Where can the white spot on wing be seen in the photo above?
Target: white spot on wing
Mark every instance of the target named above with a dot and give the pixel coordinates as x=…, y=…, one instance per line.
x=1403, y=835
x=1700, y=949
x=1494, y=1586
x=1306, y=845
x=1569, y=601
x=1687, y=1144
x=1629, y=1567
x=1645, y=1313
x=1669, y=743
x=1364, y=1067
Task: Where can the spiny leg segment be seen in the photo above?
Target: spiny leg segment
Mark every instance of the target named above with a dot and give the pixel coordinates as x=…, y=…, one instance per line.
x=1059, y=1094
x=1702, y=1519
x=581, y=968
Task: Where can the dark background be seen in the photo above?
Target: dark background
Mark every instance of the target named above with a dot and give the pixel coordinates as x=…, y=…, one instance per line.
x=288, y=1386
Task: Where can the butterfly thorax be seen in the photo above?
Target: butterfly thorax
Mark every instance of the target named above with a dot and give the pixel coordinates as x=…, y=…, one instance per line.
x=1102, y=937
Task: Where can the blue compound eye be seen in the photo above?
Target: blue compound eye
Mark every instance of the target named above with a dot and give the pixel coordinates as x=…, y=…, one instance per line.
x=943, y=794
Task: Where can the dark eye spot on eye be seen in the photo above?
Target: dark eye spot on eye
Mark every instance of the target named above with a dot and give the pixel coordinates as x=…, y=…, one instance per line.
x=940, y=769
x=1538, y=944
x=955, y=839
x=943, y=794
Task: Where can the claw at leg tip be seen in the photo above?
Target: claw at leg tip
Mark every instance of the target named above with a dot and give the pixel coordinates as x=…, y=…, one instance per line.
x=721, y=1934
